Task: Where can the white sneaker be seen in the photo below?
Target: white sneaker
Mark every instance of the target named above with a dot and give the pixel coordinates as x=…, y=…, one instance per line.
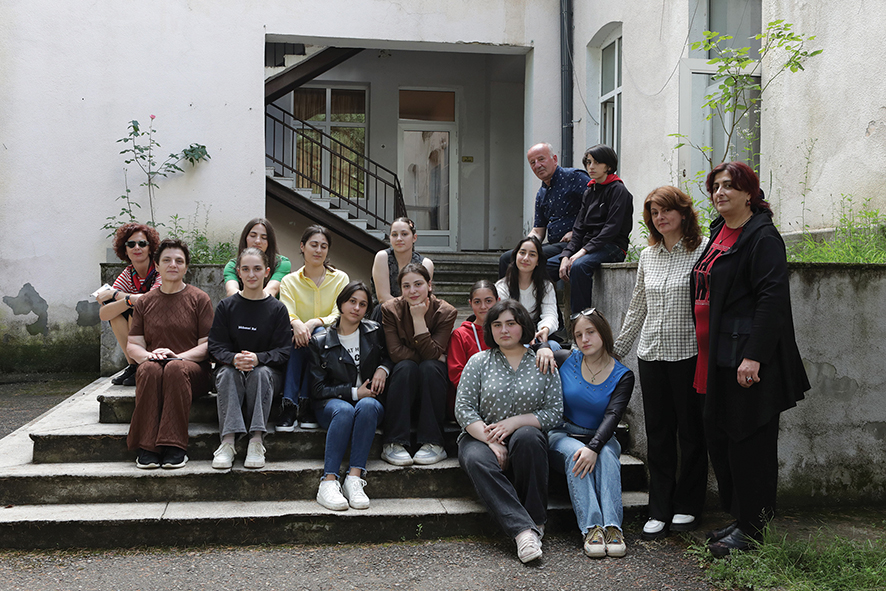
x=353, y=492
x=654, y=529
x=329, y=495
x=255, y=455
x=683, y=522
x=528, y=546
x=223, y=457
x=430, y=453
x=396, y=454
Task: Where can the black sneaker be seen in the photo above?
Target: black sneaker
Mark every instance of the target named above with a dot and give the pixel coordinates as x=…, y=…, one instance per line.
x=173, y=457
x=128, y=372
x=287, y=422
x=306, y=415
x=147, y=460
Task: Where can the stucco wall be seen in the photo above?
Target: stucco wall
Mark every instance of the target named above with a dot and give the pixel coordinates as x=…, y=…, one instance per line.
x=831, y=445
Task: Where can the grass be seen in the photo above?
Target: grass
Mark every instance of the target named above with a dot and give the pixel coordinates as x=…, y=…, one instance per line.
x=860, y=237
x=823, y=562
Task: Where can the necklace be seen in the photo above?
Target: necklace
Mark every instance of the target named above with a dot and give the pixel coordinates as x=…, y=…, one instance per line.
x=593, y=373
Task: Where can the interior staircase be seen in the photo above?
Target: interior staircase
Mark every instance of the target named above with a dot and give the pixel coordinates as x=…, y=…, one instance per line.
x=67, y=480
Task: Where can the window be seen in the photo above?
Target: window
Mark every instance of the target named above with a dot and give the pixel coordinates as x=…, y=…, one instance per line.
x=610, y=95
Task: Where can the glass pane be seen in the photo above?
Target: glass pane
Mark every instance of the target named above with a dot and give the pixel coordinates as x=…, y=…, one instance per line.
x=308, y=159
x=607, y=83
x=426, y=186
x=427, y=105
x=346, y=172
x=617, y=145
x=607, y=118
x=742, y=19
x=309, y=104
x=348, y=106
x=618, y=53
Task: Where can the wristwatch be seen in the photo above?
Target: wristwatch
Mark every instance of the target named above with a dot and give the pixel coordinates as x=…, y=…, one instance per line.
x=128, y=300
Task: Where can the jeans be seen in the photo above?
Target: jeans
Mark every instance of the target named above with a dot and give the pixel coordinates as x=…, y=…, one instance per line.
x=581, y=275
x=297, y=386
x=549, y=250
x=253, y=389
x=348, y=423
x=518, y=497
x=596, y=498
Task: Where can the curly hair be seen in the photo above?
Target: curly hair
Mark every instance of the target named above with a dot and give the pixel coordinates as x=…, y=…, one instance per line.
x=126, y=230
x=668, y=197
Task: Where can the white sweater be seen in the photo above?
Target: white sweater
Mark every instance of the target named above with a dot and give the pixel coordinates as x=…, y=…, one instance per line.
x=527, y=298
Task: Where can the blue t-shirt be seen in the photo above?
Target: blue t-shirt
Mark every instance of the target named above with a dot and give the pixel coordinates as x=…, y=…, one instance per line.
x=557, y=206
x=585, y=403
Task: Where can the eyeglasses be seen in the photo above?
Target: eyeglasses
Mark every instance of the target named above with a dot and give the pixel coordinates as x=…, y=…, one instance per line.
x=587, y=312
x=132, y=243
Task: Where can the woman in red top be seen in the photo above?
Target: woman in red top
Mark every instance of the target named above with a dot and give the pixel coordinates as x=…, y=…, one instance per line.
x=467, y=339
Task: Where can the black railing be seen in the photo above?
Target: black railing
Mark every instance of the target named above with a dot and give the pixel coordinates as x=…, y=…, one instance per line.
x=328, y=166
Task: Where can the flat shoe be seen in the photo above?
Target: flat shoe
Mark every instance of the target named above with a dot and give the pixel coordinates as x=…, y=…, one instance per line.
x=736, y=541
x=654, y=529
x=718, y=534
x=683, y=522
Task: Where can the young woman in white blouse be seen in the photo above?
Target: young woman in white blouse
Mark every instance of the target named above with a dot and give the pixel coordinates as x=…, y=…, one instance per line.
x=527, y=282
x=661, y=313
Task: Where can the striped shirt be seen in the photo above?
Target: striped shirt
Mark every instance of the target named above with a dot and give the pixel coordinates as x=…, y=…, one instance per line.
x=661, y=306
x=124, y=282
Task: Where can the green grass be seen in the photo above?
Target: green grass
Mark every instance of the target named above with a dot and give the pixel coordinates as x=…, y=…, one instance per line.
x=823, y=562
x=860, y=237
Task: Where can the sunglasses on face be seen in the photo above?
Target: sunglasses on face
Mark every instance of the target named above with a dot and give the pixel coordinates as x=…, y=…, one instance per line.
x=133, y=243
x=587, y=312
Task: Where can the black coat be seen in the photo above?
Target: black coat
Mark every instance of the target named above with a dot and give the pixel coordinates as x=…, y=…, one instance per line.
x=333, y=372
x=604, y=218
x=750, y=317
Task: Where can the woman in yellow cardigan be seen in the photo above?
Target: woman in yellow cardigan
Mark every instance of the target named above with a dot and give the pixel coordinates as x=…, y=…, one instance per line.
x=309, y=295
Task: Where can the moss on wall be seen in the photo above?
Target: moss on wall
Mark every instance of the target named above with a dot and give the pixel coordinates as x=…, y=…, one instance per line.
x=65, y=348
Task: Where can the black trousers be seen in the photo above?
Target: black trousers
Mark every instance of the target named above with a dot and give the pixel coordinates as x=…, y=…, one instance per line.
x=415, y=389
x=747, y=474
x=518, y=497
x=676, y=451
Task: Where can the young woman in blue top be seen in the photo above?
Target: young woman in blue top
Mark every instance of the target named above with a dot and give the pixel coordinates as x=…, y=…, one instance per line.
x=596, y=391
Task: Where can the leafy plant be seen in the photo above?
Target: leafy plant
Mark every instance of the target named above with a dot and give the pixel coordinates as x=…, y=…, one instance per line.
x=196, y=235
x=739, y=91
x=860, y=237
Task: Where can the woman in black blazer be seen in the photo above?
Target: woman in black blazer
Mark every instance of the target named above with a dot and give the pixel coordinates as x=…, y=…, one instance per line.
x=349, y=370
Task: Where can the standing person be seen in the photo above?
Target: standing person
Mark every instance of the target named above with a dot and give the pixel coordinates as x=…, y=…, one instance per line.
x=661, y=313
x=749, y=367
x=596, y=392
x=602, y=228
x=527, y=282
x=168, y=340
x=349, y=370
x=556, y=204
x=135, y=244
x=417, y=327
x=259, y=233
x=504, y=406
x=388, y=262
x=250, y=341
x=309, y=295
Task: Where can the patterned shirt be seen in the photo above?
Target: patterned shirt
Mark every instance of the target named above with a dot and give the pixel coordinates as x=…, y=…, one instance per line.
x=490, y=391
x=661, y=305
x=557, y=205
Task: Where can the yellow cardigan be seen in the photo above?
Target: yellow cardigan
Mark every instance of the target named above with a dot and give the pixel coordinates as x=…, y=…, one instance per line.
x=305, y=300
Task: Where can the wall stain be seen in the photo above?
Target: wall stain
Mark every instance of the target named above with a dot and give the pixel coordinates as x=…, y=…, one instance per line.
x=27, y=301
x=877, y=429
x=87, y=313
x=823, y=377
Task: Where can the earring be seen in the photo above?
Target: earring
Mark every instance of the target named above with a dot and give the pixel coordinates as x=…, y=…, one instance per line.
x=748, y=202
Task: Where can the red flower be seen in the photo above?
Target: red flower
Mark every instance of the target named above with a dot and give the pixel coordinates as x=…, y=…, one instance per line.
x=153, y=117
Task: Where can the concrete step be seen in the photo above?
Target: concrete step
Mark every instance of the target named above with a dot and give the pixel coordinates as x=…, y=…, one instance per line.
x=128, y=525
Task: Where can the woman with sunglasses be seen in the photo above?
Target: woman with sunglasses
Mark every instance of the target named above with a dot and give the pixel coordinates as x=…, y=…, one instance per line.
x=135, y=244
x=504, y=406
x=661, y=313
x=596, y=391
x=258, y=233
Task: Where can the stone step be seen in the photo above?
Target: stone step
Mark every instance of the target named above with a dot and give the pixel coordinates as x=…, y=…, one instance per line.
x=128, y=525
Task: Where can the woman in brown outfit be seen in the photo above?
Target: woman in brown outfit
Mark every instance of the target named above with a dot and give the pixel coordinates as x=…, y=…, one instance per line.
x=168, y=340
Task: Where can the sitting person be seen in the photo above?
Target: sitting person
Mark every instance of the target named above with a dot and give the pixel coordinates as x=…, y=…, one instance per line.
x=168, y=340
x=250, y=341
x=527, y=282
x=417, y=328
x=389, y=262
x=309, y=295
x=259, y=233
x=596, y=391
x=504, y=406
x=135, y=244
x=349, y=370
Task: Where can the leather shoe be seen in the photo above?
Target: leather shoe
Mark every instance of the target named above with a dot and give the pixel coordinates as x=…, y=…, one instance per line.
x=737, y=540
x=719, y=534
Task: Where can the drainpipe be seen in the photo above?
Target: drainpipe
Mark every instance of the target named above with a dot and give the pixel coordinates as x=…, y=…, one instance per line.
x=566, y=82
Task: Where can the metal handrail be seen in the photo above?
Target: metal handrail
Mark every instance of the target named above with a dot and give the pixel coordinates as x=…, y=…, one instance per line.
x=368, y=196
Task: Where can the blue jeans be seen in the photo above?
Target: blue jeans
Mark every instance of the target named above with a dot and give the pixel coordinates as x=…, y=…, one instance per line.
x=581, y=275
x=348, y=423
x=596, y=498
x=297, y=385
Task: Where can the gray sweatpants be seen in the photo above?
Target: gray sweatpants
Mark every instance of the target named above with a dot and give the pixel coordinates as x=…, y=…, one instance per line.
x=246, y=396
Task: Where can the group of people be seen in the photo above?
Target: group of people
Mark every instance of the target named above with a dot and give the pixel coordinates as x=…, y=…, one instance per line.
x=718, y=362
